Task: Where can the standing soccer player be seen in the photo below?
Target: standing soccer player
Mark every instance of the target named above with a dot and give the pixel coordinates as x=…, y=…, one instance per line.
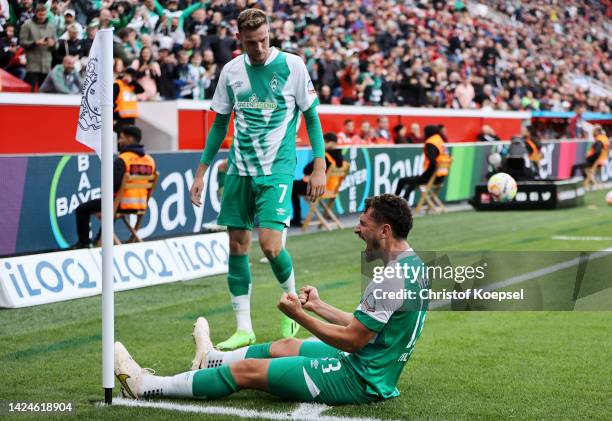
x=266, y=89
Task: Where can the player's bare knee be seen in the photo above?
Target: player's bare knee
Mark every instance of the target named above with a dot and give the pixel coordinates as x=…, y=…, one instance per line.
x=271, y=248
x=239, y=242
x=237, y=248
x=285, y=348
x=271, y=252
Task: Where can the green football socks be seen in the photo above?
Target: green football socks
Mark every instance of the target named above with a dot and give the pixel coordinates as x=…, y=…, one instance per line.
x=239, y=283
x=282, y=266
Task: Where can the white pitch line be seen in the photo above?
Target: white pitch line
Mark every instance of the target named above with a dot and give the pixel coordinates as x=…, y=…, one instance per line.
x=531, y=275
x=577, y=238
x=304, y=412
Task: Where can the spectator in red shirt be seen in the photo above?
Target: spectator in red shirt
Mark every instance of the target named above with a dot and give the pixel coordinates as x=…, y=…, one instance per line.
x=348, y=136
x=348, y=84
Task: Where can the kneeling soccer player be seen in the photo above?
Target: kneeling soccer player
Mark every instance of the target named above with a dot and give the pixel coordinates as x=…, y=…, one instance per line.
x=359, y=357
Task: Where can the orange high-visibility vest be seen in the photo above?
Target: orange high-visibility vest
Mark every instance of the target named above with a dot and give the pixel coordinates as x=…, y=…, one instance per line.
x=127, y=104
x=443, y=155
x=136, y=199
x=332, y=182
x=535, y=151
x=603, y=157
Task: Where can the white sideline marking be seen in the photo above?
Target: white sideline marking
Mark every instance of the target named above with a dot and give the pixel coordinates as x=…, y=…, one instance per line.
x=530, y=275
x=575, y=238
x=304, y=412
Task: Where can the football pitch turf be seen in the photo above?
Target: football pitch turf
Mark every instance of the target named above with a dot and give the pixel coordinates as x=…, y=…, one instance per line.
x=467, y=365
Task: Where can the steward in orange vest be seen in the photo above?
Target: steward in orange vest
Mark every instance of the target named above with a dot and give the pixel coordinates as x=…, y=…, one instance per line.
x=435, y=152
x=598, y=153
x=132, y=159
x=125, y=89
x=534, y=149
x=334, y=157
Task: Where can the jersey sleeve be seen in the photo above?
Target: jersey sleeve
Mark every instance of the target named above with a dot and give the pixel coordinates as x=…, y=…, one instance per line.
x=375, y=308
x=221, y=102
x=305, y=93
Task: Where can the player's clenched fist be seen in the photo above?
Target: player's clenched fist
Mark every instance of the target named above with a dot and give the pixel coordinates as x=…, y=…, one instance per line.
x=290, y=305
x=309, y=297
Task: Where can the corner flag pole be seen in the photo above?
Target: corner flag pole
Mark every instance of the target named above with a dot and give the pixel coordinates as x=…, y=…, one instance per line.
x=95, y=130
x=108, y=304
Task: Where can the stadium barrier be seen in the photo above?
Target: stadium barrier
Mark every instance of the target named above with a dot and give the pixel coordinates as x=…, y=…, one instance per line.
x=50, y=277
x=184, y=124
x=41, y=193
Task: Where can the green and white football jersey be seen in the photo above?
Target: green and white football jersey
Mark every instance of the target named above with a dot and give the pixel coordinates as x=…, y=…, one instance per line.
x=266, y=101
x=398, y=323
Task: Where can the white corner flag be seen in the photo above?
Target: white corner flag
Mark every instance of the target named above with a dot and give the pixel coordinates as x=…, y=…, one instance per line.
x=96, y=90
x=95, y=130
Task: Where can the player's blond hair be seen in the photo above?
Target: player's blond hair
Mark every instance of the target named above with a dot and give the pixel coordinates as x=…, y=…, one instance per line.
x=251, y=19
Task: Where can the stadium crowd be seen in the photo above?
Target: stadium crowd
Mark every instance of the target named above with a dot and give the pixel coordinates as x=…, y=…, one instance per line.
x=506, y=55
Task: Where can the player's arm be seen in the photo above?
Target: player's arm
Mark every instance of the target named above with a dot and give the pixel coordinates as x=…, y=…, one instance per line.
x=350, y=338
x=214, y=139
x=310, y=300
x=223, y=105
x=307, y=101
x=317, y=181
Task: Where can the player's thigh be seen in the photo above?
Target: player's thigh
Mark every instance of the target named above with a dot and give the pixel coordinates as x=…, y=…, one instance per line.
x=318, y=349
x=323, y=380
x=273, y=200
x=237, y=203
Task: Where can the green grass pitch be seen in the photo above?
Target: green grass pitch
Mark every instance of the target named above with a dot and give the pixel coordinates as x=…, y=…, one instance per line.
x=467, y=365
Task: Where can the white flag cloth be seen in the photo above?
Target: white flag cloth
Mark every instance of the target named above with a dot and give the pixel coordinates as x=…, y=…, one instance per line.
x=94, y=94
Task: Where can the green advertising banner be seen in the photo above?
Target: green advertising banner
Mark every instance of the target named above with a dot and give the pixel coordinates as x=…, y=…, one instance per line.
x=377, y=170
x=41, y=193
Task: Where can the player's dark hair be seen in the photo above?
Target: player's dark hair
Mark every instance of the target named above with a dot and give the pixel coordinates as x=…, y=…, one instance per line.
x=133, y=132
x=393, y=210
x=251, y=19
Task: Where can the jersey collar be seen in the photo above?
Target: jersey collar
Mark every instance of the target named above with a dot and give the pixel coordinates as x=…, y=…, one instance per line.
x=271, y=57
x=401, y=255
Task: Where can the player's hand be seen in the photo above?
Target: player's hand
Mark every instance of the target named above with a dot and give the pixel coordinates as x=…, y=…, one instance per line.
x=316, y=184
x=196, y=191
x=290, y=305
x=309, y=297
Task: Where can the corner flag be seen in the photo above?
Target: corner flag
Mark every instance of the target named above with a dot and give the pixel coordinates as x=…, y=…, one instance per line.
x=95, y=93
x=95, y=130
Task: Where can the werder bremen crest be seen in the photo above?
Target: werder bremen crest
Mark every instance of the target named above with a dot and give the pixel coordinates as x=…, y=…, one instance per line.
x=90, y=117
x=273, y=83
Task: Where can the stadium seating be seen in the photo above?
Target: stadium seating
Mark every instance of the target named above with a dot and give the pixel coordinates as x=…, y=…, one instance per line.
x=495, y=55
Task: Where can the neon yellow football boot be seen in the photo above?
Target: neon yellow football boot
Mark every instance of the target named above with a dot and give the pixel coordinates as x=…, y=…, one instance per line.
x=237, y=340
x=288, y=327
